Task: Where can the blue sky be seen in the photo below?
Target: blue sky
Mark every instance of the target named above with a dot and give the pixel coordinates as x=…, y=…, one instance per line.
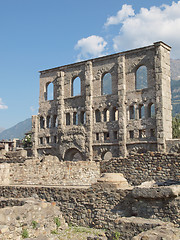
x=41, y=34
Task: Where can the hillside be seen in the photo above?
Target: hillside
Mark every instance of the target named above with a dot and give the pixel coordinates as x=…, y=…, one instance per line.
x=175, y=90
x=17, y=131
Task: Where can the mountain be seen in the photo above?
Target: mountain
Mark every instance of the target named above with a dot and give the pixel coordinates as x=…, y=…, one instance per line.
x=175, y=69
x=1, y=129
x=175, y=85
x=175, y=91
x=17, y=131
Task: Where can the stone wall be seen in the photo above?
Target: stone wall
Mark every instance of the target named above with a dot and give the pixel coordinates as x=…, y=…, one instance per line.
x=138, y=168
x=109, y=208
x=49, y=171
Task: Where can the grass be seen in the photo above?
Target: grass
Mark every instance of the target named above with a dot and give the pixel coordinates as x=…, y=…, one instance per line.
x=25, y=233
x=34, y=224
x=78, y=233
x=57, y=222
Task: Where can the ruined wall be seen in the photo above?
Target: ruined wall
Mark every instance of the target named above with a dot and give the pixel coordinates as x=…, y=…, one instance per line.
x=49, y=171
x=126, y=211
x=138, y=168
x=114, y=110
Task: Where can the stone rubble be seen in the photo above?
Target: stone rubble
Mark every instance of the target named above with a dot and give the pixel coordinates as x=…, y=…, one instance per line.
x=160, y=233
x=40, y=220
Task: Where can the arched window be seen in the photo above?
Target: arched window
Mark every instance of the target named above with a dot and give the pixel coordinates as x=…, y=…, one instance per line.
x=141, y=77
x=114, y=114
x=50, y=91
x=141, y=111
x=73, y=154
x=97, y=115
x=151, y=110
x=76, y=87
x=106, y=87
x=131, y=112
x=106, y=115
x=42, y=122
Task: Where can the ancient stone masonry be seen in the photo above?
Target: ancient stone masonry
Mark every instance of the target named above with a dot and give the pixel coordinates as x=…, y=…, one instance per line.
x=138, y=168
x=129, y=211
x=49, y=171
x=106, y=106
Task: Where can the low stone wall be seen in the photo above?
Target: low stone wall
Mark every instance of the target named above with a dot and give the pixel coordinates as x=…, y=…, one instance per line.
x=109, y=208
x=16, y=154
x=49, y=171
x=138, y=168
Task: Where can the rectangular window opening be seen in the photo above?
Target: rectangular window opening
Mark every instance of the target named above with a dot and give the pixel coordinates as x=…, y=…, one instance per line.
x=106, y=136
x=47, y=140
x=75, y=118
x=67, y=119
x=131, y=112
x=131, y=134
x=115, y=133
x=41, y=140
x=152, y=132
x=83, y=117
x=142, y=133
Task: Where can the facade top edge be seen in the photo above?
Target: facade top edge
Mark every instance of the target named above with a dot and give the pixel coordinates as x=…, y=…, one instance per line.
x=155, y=44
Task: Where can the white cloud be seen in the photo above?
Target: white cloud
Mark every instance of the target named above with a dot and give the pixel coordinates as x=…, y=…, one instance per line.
x=33, y=109
x=2, y=105
x=92, y=46
x=148, y=26
x=122, y=14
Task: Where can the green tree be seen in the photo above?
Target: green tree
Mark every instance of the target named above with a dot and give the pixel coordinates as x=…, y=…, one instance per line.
x=176, y=126
x=27, y=140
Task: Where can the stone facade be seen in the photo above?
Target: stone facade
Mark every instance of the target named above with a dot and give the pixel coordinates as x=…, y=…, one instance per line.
x=106, y=106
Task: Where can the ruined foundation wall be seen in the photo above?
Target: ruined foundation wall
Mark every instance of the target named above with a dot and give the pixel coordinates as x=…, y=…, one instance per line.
x=138, y=168
x=104, y=207
x=49, y=172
